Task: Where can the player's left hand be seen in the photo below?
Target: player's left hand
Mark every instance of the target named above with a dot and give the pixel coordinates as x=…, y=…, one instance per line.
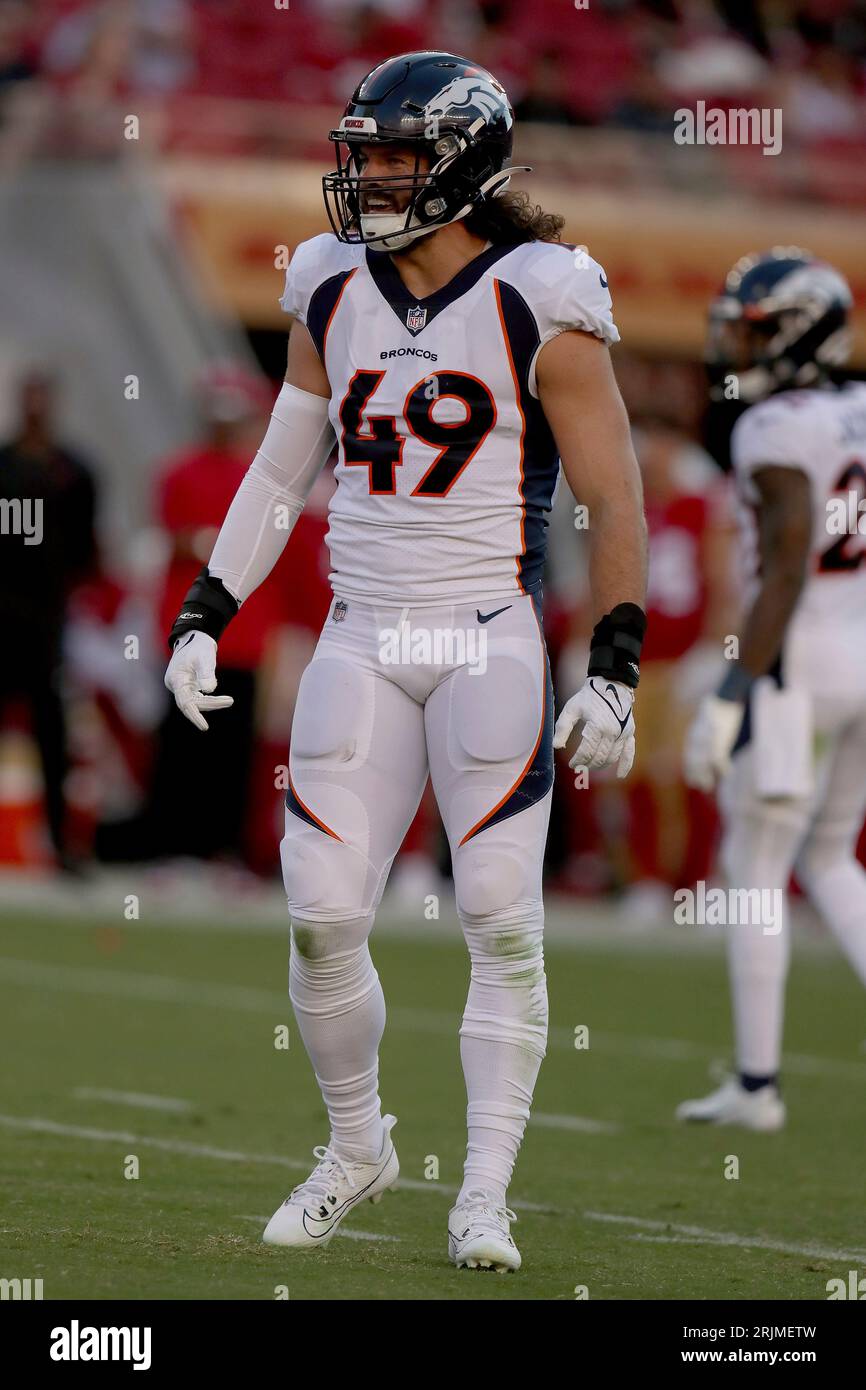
x=709, y=741
x=604, y=708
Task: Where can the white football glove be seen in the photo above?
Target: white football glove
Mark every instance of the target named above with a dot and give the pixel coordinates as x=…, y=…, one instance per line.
x=604, y=708
x=191, y=677
x=711, y=736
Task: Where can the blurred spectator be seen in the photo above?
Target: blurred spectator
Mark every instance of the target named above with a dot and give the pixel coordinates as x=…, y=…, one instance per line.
x=621, y=63
x=822, y=99
x=47, y=546
x=548, y=93
x=18, y=53
x=127, y=45
x=199, y=797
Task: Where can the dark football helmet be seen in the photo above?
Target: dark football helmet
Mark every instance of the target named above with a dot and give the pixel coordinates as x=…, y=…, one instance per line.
x=458, y=120
x=779, y=322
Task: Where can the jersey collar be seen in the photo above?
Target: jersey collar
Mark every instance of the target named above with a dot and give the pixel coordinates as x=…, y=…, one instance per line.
x=423, y=311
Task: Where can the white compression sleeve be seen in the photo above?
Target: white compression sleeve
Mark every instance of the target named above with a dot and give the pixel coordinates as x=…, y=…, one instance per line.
x=275, y=487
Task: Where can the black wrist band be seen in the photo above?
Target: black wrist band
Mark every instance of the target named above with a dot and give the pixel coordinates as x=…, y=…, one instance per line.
x=208, y=607
x=736, y=684
x=614, y=651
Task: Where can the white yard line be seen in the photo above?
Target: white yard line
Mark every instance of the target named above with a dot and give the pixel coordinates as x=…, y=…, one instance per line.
x=166, y=989
x=670, y=1229
x=132, y=984
x=137, y=1099
x=576, y=1124
x=38, y=1124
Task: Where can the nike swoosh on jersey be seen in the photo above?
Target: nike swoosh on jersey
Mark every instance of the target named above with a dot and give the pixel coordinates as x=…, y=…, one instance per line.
x=495, y=614
x=603, y=281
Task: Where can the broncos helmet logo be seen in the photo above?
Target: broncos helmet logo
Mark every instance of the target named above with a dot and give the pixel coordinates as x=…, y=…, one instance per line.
x=463, y=93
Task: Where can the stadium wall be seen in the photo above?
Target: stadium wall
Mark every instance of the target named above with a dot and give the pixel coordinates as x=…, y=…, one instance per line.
x=665, y=254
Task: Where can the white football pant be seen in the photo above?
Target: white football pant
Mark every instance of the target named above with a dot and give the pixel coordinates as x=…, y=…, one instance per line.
x=816, y=835
x=463, y=694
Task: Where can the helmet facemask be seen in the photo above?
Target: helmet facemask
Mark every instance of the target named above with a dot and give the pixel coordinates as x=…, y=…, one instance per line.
x=435, y=193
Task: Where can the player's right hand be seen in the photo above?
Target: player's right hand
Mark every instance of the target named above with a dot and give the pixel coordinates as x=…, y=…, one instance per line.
x=191, y=677
x=709, y=742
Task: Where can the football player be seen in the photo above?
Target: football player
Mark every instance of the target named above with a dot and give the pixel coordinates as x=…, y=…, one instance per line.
x=456, y=350
x=785, y=733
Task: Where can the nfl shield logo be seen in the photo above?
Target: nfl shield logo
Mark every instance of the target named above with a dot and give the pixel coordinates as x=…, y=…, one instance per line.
x=340, y=611
x=416, y=319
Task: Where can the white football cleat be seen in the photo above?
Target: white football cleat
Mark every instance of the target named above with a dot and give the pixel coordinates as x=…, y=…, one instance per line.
x=478, y=1234
x=309, y=1217
x=732, y=1104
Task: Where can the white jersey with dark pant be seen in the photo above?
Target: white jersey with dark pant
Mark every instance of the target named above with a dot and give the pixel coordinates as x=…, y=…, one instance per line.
x=431, y=661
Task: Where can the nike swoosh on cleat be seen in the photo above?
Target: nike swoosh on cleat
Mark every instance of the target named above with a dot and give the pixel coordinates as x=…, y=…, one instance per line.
x=339, y=1212
x=495, y=614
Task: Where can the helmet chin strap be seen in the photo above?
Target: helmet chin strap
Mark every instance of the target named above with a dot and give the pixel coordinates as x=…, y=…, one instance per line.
x=396, y=235
x=391, y=227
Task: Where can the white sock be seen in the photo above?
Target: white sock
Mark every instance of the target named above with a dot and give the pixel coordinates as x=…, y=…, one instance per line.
x=340, y=1012
x=757, y=853
x=502, y=1043
x=758, y=967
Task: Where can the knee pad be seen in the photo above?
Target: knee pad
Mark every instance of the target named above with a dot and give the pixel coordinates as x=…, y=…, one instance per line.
x=496, y=731
x=325, y=879
x=487, y=880
x=507, y=932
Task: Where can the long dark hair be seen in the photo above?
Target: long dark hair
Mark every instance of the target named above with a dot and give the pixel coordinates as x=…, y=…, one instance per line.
x=513, y=217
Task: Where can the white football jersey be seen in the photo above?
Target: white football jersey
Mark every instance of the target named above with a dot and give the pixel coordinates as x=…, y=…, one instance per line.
x=446, y=466
x=823, y=434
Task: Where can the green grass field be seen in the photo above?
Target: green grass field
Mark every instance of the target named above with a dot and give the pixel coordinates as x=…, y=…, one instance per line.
x=610, y=1193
